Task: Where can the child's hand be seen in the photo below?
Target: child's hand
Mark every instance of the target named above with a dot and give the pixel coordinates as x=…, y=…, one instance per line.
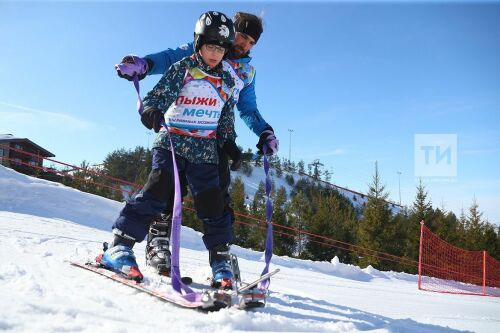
x=234, y=153
x=151, y=118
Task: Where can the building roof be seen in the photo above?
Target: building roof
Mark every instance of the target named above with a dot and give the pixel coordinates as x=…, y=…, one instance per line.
x=12, y=138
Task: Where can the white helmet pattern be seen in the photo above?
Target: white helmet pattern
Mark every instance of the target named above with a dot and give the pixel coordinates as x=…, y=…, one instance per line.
x=224, y=31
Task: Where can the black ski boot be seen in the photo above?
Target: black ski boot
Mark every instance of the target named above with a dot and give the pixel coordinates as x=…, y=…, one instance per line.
x=157, y=247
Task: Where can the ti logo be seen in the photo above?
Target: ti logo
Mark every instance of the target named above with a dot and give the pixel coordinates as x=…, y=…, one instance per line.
x=435, y=155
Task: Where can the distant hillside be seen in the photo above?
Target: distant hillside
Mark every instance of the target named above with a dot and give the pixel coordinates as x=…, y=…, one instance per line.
x=257, y=175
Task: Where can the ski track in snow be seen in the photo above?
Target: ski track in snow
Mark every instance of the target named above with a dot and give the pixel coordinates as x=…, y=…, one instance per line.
x=43, y=225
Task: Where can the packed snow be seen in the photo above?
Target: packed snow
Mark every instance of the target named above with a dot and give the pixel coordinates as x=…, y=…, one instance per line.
x=43, y=225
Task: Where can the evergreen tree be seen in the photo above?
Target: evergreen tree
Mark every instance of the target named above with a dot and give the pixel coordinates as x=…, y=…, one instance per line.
x=396, y=235
x=334, y=218
x=241, y=230
x=285, y=165
x=474, y=232
x=489, y=239
x=88, y=179
x=299, y=213
x=372, y=230
x=130, y=165
x=284, y=245
x=290, y=180
x=327, y=176
x=462, y=229
x=278, y=168
x=316, y=169
x=246, y=168
x=446, y=226
x=300, y=167
x=421, y=210
x=258, y=210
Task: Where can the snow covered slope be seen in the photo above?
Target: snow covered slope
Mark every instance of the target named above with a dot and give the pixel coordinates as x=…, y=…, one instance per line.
x=43, y=224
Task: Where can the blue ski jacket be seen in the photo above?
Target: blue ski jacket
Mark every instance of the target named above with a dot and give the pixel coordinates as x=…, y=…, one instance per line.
x=245, y=99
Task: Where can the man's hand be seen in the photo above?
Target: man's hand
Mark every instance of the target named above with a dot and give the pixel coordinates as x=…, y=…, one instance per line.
x=151, y=118
x=234, y=153
x=132, y=66
x=268, y=138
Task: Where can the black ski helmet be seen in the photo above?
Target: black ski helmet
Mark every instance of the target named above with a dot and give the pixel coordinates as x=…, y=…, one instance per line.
x=213, y=28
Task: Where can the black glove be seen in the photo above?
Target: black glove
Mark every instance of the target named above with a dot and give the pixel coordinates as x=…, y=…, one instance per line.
x=151, y=118
x=268, y=138
x=234, y=153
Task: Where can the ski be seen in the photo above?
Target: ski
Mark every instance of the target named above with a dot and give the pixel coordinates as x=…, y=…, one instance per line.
x=211, y=300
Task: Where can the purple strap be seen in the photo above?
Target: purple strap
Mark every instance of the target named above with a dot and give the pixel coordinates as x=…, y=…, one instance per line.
x=269, y=212
x=140, y=107
x=175, y=234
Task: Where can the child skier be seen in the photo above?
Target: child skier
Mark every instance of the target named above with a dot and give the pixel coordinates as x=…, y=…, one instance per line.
x=194, y=97
x=248, y=28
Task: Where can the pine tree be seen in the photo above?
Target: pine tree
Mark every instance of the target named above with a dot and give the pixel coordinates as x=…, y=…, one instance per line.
x=88, y=179
x=462, y=229
x=327, y=176
x=474, y=231
x=396, y=235
x=284, y=244
x=421, y=210
x=316, y=169
x=489, y=239
x=131, y=165
x=258, y=233
x=278, y=168
x=300, y=167
x=334, y=218
x=373, y=227
x=299, y=213
x=241, y=230
x=446, y=226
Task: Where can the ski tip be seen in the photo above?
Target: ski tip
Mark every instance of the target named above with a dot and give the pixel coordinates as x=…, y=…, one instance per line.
x=226, y=284
x=98, y=259
x=135, y=274
x=222, y=284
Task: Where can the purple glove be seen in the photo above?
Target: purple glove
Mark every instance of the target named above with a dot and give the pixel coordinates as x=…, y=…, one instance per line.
x=268, y=138
x=132, y=66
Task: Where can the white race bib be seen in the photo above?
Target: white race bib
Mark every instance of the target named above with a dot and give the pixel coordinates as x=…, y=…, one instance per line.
x=197, y=109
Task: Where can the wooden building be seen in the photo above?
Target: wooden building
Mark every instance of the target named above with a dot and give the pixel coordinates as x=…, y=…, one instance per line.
x=12, y=154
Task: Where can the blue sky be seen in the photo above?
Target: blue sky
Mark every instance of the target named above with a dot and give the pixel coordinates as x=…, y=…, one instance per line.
x=355, y=81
